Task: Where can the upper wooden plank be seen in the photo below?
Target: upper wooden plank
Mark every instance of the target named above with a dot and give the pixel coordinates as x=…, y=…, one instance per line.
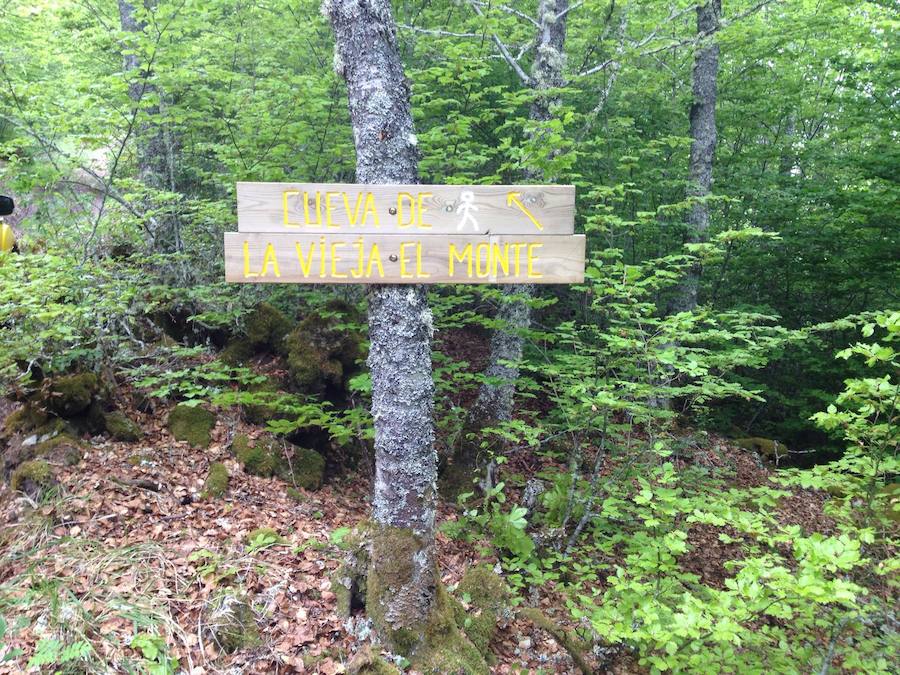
x=340, y=208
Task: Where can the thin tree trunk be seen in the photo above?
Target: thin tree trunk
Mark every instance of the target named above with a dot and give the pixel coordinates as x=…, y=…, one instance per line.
x=703, y=143
x=154, y=153
x=404, y=599
x=495, y=399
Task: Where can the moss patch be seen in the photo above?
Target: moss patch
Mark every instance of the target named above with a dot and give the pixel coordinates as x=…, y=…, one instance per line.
x=446, y=649
x=258, y=459
x=137, y=460
x=296, y=495
x=216, y=480
x=34, y=478
x=487, y=596
x=232, y=623
x=264, y=534
x=305, y=469
x=237, y=352
x=121, y=427
x=349, y=581
x=321, y=353
x=191, y=424
x=266, y=457
x=437, y=647
x=30, y=417
x=367, y=662
x=766, y=447
x=71, y=395
x=266, y=327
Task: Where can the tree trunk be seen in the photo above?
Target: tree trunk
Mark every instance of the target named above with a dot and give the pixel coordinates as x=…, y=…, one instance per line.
x=409, y=609
x=495, y=400
x=154, y=151
x=703, y=142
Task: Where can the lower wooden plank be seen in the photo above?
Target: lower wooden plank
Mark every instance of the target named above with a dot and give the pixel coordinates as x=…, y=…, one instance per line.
x=260, y=258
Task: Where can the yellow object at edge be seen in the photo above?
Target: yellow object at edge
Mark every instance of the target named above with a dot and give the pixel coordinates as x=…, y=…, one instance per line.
x=7, y=238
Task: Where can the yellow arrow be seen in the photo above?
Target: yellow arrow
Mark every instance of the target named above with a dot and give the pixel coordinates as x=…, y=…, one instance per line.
x=7, y=237
x=513, y=198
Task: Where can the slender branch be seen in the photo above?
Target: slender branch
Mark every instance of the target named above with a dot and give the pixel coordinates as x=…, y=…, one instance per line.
x=596, y=69
x=434, y=31
x=517, y=69
x=674, y=15
x=568, y=9
x=510, y=10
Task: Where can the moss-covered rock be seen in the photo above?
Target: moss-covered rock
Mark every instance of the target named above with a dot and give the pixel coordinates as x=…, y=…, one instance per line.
x=268, y=457
x=322, y=353
x=264, y=331
x=266, y=327
x=231, y=622
x=348, y=582
x=121, y=427
x=257, y=457
x=304, y=469
x=216, y=480
x=30, y=417
x=237, y=352
x=767, y=447
x=61, y=449
x=71, y=395
x=192, y=424
x=367, y=662
x=487, y=596
x=34, y=478
x=56, y=447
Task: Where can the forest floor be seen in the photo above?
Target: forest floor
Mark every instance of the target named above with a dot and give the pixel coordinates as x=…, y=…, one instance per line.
x=130, y=546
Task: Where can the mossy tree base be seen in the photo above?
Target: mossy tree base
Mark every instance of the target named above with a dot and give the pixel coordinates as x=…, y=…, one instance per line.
x=403, y=586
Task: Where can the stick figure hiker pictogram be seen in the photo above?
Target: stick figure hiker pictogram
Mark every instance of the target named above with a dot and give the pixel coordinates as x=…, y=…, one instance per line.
x=465, y=207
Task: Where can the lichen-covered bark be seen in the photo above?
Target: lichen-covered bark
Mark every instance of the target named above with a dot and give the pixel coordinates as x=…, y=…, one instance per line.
x=495, y=399
x=154, y=151
x=703, y=141
x=402, y=573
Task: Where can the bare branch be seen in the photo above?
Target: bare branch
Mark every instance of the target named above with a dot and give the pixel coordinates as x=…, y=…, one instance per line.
x=440, y=33
x=673, y=16
x=509, y=10
x=517, y=69
x=570, y=8
x=596, y=69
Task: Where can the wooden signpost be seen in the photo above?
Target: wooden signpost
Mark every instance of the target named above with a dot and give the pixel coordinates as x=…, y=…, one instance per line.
x=404, y=234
